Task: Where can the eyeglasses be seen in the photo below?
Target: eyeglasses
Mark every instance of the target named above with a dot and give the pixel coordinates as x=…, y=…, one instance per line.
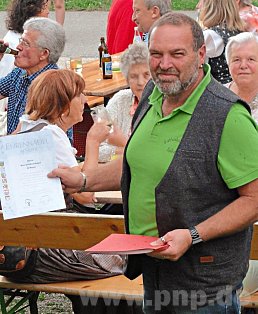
x=25, y=44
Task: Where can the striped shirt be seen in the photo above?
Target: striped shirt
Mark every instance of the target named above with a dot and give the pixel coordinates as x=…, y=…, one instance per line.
x=15, y=86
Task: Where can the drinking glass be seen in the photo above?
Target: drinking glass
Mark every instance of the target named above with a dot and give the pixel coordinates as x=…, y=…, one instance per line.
x=101, y=113
x=76, y=64
x=116, y=63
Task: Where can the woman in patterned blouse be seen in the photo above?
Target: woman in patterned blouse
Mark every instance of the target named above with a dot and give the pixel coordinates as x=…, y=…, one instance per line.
x=220, y=20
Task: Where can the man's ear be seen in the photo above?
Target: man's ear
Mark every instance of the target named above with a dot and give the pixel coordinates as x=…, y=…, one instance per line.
x=44, y=54
x=155, y=12
x=202, y=54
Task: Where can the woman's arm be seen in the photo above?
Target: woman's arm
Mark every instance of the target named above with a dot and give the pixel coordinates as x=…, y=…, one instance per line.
x=60, y=11
x=18, y=129
x=98, y=133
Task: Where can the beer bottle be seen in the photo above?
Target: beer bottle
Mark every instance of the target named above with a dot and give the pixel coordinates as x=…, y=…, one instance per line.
x=107, y=65
x=101, y=49
x=137, y=36
x=6, y=49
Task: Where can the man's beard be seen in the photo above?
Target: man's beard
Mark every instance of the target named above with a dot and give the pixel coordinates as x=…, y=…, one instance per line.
x=174, y=88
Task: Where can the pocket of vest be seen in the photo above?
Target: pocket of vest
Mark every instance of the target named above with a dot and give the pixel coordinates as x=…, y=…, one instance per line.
x=194, y=166
x=190, y=154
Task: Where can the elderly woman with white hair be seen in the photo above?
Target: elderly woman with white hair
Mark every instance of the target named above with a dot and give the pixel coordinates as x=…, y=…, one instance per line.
x=242, y=58
x=121, y=107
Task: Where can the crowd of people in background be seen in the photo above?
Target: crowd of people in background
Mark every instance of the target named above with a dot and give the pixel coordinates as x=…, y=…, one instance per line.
x=185, y=178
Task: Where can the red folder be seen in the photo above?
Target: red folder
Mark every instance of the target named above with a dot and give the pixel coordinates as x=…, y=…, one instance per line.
x=126, y=244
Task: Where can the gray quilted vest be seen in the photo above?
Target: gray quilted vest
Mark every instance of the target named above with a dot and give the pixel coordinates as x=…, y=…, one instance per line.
x=192, y=190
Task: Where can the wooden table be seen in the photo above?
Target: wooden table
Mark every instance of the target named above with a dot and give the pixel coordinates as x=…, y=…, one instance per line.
x=111, y=197
x=97, y=86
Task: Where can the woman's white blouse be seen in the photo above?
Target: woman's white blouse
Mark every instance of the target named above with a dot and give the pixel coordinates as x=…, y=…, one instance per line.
x=214, y=43
x=65, y=153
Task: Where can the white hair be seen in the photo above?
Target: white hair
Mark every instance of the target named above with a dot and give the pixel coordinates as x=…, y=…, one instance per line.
x=136, y=53
x=51, y=35
x=239, y=39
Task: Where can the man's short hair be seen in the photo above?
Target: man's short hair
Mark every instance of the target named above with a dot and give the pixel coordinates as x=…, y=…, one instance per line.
x=52, y=35
x=179, y=19
x=163, y=5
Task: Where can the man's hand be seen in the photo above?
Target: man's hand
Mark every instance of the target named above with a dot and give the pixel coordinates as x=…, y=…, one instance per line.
x=71, y=178
x=179, y=242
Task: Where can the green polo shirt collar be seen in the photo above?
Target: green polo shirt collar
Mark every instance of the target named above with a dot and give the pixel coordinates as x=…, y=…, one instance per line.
x=156, y=97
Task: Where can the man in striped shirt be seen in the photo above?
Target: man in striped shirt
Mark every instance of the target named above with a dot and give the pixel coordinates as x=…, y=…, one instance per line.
x=40, y=47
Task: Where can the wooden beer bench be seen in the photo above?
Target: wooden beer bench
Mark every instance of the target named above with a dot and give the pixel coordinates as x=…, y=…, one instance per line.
x=76, y=231
x=64, y=231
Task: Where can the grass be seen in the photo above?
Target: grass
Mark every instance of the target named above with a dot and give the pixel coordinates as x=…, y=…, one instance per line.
x=48, y=303
x=91, y=5
x=87, y=4
x=105, y=4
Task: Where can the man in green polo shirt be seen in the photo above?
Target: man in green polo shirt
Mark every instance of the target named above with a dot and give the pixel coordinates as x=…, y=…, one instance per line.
x=189, y=177
x=159, y=137
x=191, y=168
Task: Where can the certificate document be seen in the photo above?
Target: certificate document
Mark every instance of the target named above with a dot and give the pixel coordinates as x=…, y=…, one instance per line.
x=25, y=161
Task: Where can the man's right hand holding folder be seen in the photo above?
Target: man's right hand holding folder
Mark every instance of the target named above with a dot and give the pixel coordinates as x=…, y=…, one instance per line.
x=128, y=244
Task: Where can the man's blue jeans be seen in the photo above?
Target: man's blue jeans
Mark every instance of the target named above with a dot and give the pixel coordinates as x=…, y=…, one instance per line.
x=230, y=305
x=183, y=302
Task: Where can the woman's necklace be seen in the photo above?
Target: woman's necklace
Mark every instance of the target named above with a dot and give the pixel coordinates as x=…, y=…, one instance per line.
x=254, y=103
x=253, y=100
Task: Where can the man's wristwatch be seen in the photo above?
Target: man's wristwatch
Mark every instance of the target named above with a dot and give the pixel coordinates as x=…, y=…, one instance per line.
x=83, y=188
x=195, y=235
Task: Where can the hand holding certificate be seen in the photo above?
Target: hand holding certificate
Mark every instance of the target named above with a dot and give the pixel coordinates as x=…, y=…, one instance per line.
x=25, y=161
x=126, y=244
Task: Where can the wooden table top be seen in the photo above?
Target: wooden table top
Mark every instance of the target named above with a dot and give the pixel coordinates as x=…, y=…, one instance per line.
x=96, y=85
x=112, y=197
